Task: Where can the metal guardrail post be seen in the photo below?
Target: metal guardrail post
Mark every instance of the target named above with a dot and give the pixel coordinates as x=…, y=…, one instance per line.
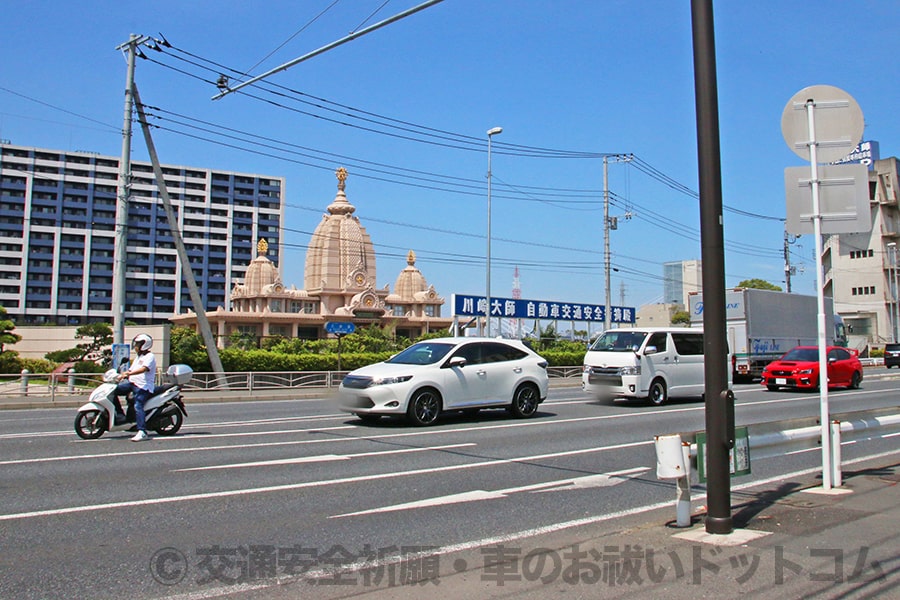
x=24, y=385
x=250, y=382
x=71, y=381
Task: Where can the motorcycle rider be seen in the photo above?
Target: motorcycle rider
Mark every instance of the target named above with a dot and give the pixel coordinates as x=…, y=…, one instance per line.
x=141, y=376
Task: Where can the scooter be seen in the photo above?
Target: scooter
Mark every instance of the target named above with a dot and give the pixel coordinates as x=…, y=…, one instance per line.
x=164, y=410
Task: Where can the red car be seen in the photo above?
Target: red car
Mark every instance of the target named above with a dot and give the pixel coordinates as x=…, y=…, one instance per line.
x=799, y=369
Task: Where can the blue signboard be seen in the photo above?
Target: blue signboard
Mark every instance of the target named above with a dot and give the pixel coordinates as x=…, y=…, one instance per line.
x=510, y=308
x=339, y=327
x=865, y=153
x=121, y=353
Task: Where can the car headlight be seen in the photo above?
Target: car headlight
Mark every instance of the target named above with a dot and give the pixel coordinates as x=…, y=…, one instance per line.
x=805, y=371
x=632, y=370
x=390, y=380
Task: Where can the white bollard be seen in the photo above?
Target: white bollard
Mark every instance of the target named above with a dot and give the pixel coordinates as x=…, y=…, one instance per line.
x=836, y=454
x=673, y=462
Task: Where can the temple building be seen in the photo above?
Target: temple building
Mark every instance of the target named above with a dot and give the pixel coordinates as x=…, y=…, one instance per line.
x=339, y=285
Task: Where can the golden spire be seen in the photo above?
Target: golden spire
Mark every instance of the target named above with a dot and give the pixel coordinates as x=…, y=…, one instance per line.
x=262, y=247
x=342, y=178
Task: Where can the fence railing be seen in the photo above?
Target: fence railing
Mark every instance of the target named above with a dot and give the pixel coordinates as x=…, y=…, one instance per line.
x=776, y=438
x=70, y=383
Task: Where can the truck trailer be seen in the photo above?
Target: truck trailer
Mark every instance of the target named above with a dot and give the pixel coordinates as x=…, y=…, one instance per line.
x=762, y=325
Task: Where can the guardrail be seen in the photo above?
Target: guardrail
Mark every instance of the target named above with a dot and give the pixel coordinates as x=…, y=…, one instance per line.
x=776, y=438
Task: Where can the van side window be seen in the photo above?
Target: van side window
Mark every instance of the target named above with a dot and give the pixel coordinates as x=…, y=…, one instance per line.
x=658, y=339
x=688, y=344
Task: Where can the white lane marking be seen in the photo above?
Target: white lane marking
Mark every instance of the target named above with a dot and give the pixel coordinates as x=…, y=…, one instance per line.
x=211, y=425
x=194, y=426
x=590, y=481
x=386, y=561
x=310, y=484
x=668, y=410
x=323, y=458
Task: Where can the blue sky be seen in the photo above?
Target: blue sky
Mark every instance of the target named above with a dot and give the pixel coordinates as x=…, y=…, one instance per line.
x=406, y=109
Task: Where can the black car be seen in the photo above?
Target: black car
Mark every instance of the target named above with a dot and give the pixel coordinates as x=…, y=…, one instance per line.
x=892, y=355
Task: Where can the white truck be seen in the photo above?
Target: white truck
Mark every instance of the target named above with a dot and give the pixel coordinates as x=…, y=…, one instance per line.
x=762, y=325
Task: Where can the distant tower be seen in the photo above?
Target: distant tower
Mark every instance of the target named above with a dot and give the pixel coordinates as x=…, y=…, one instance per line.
x=517, y=287
x=516, y=324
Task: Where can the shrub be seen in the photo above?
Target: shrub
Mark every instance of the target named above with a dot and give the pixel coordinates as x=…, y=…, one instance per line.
x=36, y=365
x=10, y=362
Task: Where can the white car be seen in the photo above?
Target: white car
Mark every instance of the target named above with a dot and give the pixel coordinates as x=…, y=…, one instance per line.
x=448, y=374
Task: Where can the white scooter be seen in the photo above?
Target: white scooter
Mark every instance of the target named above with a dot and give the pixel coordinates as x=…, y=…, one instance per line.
x=164, y=410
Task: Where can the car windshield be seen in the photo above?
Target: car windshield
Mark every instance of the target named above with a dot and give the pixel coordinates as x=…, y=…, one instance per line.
x=423, y=353
x=619, y=341
x=802, y=355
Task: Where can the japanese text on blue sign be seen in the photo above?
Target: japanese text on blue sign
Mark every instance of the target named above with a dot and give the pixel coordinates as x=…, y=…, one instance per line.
x=539, y=309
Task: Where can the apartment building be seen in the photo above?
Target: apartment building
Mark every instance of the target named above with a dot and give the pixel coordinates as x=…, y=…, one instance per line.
x=57, y=235
x=861, y=269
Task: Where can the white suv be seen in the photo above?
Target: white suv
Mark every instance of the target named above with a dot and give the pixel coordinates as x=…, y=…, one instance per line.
x=444, y=374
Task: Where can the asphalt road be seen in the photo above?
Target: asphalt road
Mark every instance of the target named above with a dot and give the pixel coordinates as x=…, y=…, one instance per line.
x=251, y=490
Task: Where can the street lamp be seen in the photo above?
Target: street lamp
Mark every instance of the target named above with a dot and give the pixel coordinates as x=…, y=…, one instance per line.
x=895, y=309
x=487, y=308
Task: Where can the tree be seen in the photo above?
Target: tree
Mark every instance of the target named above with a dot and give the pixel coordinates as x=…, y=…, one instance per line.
x=758, y=284
x=681, y=317
x=6, y=331
x=100, y=336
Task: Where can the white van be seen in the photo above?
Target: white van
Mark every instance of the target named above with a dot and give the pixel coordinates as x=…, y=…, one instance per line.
x=653, y=362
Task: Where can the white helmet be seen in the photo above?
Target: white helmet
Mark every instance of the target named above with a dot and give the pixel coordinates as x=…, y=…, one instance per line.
x=141, y=342
x=111, y=376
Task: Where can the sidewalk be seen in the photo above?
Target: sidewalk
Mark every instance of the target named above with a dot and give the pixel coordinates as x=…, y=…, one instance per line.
x=789, y=542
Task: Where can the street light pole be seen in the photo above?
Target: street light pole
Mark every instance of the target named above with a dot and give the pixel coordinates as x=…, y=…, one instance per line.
x=487, y=308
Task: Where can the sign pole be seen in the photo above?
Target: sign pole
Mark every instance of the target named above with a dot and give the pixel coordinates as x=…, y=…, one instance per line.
x=820, y=298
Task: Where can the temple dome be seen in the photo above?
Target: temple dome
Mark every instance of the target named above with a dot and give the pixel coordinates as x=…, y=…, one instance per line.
x=261, y=273
x=410, y=281
x=340, y=255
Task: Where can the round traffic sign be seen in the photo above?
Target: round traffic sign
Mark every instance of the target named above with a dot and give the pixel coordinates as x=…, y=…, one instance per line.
x=838, y=123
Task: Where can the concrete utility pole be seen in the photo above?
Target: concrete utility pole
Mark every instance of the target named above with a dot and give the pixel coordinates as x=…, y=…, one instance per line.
x=608, y=224
x=188, y=273
x=120, y=252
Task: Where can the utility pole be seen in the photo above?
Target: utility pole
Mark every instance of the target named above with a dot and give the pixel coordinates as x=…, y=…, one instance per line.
x=187, y=272
x=608, y=224
x=123, y=193
x=787, y=261
x=719, y=399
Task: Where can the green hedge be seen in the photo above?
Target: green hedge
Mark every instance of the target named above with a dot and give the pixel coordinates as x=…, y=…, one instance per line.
x=236, y=360
x=564, y=359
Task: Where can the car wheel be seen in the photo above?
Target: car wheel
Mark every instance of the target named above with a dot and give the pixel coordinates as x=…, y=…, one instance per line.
x=424, y=407
x=525, y=401
x=855, y=380
x=658, y=393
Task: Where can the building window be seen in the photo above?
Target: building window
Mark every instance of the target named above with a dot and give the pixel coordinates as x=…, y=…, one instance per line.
x=311, y=308
x=866, y=290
